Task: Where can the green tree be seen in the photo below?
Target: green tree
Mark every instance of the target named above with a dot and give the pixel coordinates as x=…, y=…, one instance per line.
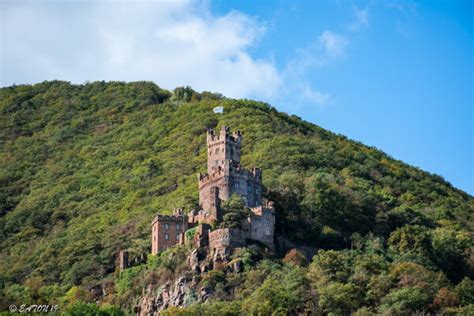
x=465, y=291
x=339, y=298
x=235, y=212
x=405, y=301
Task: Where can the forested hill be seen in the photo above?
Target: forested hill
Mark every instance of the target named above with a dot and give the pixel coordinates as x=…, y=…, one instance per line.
x=84, y=168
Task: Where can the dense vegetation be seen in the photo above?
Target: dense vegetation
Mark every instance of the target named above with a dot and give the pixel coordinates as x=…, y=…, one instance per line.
x=84, y=168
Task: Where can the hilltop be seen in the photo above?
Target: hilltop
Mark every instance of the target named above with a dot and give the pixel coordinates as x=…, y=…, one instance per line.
x=84, y=169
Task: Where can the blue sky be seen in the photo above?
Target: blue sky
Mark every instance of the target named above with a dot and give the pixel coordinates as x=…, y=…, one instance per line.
x=397, y=75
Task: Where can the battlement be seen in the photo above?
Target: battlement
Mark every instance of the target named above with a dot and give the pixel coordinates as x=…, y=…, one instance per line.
x=223, y=135
x=267, y=206
x=228, y=168
x=168, y=230
x=226, y=237
x=177, y=216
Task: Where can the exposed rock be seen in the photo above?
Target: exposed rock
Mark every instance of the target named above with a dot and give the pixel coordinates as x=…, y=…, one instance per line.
x=193, y=260
x=178, y=293
x=204, y=294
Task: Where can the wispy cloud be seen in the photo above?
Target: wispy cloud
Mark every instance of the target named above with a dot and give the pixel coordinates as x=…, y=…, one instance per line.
x=173, y=43
x=361, y=19
x=326, y=48
x=317, y=97
x=333, y=44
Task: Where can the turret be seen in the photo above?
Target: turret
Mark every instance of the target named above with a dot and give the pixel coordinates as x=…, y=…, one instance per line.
x=224, y=146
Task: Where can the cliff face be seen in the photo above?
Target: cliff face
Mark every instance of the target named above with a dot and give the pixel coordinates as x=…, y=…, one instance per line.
x=181, y=293
x=187, y=288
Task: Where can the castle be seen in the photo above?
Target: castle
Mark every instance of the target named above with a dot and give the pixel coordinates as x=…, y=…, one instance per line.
x=224, y=178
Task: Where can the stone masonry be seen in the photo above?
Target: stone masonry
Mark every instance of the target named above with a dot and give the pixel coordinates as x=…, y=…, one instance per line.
x=225, y=176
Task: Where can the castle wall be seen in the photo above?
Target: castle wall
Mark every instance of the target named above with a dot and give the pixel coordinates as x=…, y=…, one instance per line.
x=227, y=238
x=262, y=226
x=231, y=179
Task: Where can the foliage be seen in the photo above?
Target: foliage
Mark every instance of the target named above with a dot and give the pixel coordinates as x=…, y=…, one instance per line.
x=295, y=257
x=405, y=301
x=84, y=168
x=79, y=309
x=234, y=212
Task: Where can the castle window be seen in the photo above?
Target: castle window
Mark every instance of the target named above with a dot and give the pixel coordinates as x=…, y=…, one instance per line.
x=217, y=150
x=177, y=226
x=267, y=230
x=167, y=226
x=177, y=237
x=167, y=236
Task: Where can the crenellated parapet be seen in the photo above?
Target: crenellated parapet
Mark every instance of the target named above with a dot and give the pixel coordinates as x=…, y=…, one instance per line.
x=227, y=237
x=168, y=230
x=224, y=134
x=266, y=207
x=230, y=170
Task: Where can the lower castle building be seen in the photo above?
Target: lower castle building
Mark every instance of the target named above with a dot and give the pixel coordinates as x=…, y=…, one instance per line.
x=225, y=177
x=168, y=230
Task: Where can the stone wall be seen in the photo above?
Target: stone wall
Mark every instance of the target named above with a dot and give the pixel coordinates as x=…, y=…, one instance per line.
x=227, y=238
x=231, y=179
x=262, y=227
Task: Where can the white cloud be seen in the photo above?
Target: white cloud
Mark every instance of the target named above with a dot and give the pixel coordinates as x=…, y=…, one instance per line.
x=173, y=43
x=317, y=97
x=361, y=19
x=328, y=47
x=333, y=44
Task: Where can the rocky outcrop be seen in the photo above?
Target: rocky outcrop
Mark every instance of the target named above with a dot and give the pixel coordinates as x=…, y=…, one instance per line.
x=182, y=292
x=186, y=289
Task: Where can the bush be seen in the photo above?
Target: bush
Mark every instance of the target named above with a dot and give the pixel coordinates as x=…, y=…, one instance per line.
x=80, y=309
x=295, y=257
x=405, y=301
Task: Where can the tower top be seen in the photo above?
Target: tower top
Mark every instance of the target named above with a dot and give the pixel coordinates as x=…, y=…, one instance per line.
x=223, y=134
x=223, y=148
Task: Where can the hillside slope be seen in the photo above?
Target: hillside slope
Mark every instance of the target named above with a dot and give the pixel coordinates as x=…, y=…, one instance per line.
x=84, y=168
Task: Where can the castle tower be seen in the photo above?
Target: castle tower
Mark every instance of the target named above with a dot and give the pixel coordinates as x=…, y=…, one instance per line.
x=221, y=147
x=225, y=176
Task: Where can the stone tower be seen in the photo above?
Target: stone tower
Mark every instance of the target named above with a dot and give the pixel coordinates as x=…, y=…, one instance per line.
x=225, y=176
x=221, y=147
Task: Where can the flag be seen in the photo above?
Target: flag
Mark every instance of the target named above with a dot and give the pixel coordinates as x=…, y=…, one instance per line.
x=218, y=109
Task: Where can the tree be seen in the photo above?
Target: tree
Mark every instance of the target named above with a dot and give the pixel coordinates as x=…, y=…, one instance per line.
x=449, y=251
x=234, y=212
x=405, y=301
x=339, y=298
x=465, y=291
